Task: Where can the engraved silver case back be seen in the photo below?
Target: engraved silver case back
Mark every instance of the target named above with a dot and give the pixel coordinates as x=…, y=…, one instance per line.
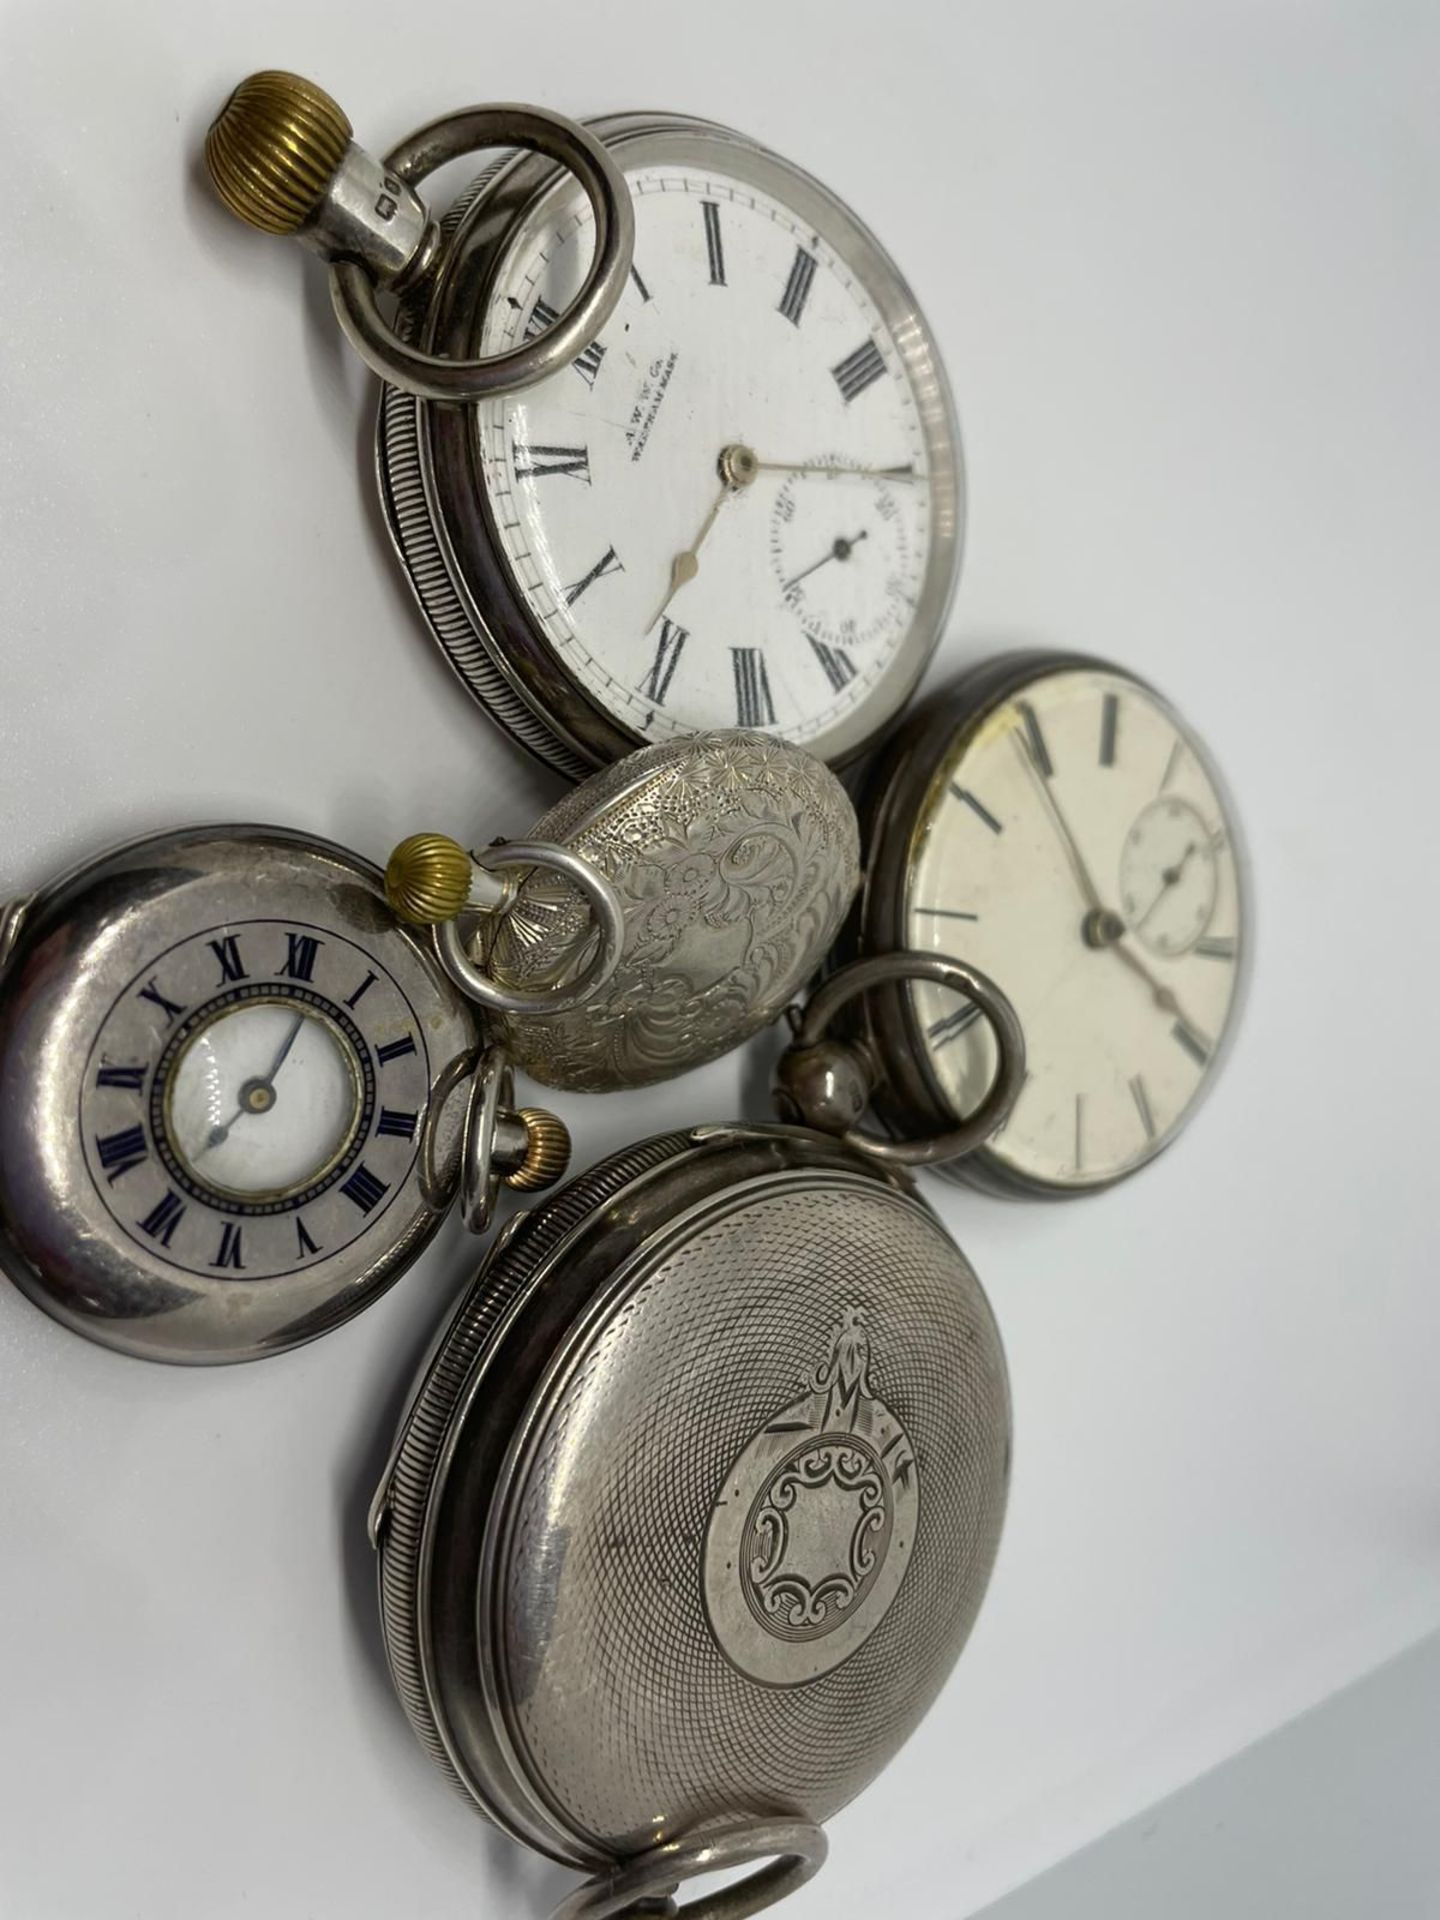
x=735, y=857
x=697, y=1498
x=440, y=511
x=103, y=978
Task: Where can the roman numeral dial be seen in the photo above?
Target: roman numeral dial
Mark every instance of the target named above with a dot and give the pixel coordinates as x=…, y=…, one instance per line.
x=1071, y=841
x=665, y=589
x=256, y=1100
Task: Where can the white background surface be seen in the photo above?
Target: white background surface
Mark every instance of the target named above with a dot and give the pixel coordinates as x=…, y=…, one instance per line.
x=1181, y=261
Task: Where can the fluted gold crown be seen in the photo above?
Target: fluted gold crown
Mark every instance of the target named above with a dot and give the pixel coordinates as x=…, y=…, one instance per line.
x=273, y=150
x=427, y=879
x=548, y=1153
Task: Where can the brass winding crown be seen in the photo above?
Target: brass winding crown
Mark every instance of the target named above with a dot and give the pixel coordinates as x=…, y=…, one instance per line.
x=273, y=150
x=548, y=1153
x=427, y=879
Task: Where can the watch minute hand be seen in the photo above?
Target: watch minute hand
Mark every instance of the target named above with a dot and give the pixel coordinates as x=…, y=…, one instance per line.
x=819, y=466
x=1061, y=825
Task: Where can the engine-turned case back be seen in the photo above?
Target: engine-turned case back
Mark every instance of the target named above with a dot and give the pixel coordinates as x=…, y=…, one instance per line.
x=694, y=1505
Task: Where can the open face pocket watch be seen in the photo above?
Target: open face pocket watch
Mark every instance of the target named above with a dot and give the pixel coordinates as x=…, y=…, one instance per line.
x=1053, y=820
x=692, y=1510
x=710, y=481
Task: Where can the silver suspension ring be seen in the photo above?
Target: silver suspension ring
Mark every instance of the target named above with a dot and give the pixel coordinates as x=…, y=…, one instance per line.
x=605, y=908
x=883, y=969
x=795, y=1850
x=353, y=288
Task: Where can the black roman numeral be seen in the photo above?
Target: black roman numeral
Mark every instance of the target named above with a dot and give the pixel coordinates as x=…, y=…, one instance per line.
x=300, y=959
x=161, y=1221
x=753, y=705
x=304, y=1245
x=608, y=563
x=954, y=1023
x=981, y=811
x=153, y=994
x=1109, y=727
x=229, y=1254
x=544, y=461
x=227, y=952
x=128, y=1079
x=1035, y=739
x=656, y=683
x=119, y=1152
x=586, y=364
x=839, y=667
x=396, y=1050
x=859, y=370
x=714, y=245
x=397, y=1126
x=364, y=1189
x=360, y=992
x=797, y=287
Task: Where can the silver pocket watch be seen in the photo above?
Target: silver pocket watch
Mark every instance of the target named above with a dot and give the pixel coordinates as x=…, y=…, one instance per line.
x=692, y=1510
x=729, y=859
x=1055, y=821
x=711, y=481
x=239, y=1096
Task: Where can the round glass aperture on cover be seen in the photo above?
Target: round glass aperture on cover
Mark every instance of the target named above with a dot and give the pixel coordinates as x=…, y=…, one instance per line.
x=263, y=1099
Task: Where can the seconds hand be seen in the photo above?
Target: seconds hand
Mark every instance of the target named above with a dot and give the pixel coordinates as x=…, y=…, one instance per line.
x=840, y=549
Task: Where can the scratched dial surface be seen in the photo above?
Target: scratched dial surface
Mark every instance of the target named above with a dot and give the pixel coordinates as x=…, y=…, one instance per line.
x=1077, y=846
x=791, y=601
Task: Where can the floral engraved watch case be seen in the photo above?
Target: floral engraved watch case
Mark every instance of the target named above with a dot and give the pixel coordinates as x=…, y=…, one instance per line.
x=732, y=858
x=693, y=1508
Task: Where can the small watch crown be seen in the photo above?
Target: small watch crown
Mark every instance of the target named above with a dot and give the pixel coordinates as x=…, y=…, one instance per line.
x=427, y=879
x=273, y=149
x=547, y=1152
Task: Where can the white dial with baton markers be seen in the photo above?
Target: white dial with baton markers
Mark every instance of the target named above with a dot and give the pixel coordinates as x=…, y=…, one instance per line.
x=1055, y=823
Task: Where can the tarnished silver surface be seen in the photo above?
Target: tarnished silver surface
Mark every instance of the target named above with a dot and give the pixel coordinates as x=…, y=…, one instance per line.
x=828, y=1083
x=112, y=970
x=697, y=1498
x=594, y=955
x=795, y=1848
x=735, y=857
x=433, y=486
x=451, y=378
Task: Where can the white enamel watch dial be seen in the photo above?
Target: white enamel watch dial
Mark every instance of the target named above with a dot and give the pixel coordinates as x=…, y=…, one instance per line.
x=241, y=1114
x=1073, y=842
x=740, y=506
